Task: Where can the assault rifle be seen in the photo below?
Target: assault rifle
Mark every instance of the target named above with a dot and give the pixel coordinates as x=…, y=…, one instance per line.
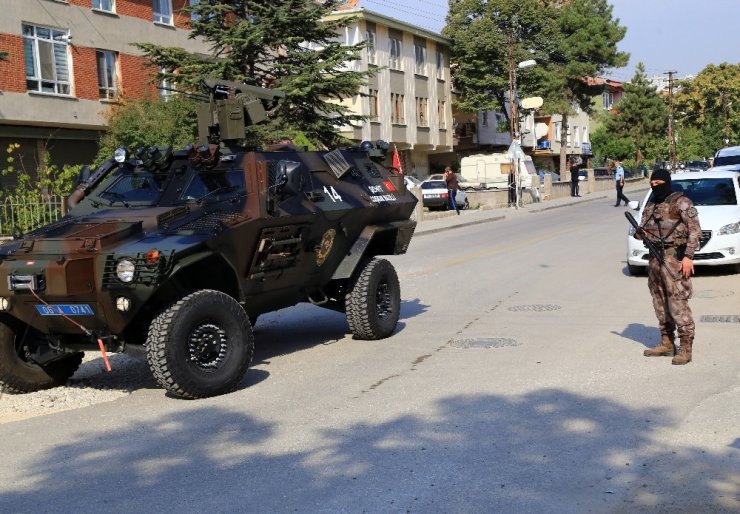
x=648, y=243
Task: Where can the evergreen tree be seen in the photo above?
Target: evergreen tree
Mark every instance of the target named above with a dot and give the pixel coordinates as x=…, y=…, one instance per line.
x=488, y=38
x=639, y=122
x=585, y=45
x=284, y=44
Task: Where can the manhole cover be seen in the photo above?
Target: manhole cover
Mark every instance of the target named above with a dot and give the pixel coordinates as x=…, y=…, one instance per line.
x=729, y=318
x=492, y=342
x=712, y=294
x=535, y=308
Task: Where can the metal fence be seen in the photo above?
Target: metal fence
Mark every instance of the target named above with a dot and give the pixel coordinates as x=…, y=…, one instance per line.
x=20, y=214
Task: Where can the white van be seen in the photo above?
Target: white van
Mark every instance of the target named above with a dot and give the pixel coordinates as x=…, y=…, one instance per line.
x=491, y=171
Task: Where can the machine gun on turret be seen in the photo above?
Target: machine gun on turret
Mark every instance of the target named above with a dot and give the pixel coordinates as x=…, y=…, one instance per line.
x=230, y=108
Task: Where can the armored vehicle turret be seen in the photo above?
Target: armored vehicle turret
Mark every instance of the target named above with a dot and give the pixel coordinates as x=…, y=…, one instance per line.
x=176, y=253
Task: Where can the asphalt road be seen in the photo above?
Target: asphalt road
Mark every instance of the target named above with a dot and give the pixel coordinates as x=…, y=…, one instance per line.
x=514, y=383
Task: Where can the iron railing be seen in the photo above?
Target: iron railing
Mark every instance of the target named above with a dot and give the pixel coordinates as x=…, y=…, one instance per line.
x=21, y=214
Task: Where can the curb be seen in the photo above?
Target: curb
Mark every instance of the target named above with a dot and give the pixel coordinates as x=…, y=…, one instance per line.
x=462, y=224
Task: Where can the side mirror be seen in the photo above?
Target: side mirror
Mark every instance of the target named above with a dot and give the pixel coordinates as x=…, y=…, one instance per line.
x=292, y=178
x=84, y=175
x=634, y=205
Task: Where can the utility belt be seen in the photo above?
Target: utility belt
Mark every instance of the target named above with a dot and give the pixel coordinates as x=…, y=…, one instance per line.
x=677, y=252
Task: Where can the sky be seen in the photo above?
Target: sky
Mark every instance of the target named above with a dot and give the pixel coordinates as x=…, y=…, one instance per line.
x=666, y=35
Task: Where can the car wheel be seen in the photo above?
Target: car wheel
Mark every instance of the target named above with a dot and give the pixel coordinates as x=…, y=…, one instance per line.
x=201, y=345
x=20, y=375
x=635, y=271
x=373, y=301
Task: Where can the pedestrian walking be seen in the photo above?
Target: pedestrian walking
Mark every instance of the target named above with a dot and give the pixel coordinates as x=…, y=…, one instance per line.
x=574, y=179
x=619, y=179
x=452, y=186
x=671, y=222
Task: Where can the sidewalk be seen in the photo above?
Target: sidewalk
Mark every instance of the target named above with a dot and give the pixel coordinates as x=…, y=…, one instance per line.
x=449, y=220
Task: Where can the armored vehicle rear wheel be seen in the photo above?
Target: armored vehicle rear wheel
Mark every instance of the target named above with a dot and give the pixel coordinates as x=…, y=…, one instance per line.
x=373, y=301
x=21, y=375
x=201, y=345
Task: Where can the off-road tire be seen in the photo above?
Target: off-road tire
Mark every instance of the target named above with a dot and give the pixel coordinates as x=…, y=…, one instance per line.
x=189, y=370
x=18, y=375
x=373, y=300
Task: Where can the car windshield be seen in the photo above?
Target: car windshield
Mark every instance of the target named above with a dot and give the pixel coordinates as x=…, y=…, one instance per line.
x=434, y=184
x=726, y=160
x=210, y=184
x=139, y=188
x=708, y=191
x=698, y=164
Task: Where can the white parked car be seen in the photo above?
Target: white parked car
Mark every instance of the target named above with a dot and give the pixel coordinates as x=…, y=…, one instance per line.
x=716, y=195
x=435, y=195
x=727, y=159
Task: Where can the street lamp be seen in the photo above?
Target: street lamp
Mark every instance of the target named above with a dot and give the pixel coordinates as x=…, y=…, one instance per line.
x=514, y=114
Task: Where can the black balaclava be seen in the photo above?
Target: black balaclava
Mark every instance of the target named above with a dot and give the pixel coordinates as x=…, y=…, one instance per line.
x=662, y=191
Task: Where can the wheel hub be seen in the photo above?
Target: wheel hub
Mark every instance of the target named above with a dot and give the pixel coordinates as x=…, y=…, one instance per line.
x=207, y=345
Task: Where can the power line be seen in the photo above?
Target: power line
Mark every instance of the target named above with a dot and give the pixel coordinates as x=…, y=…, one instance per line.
x=382, y=3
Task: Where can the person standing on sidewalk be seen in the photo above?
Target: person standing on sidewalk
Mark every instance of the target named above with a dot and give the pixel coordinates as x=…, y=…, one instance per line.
x=671, y=222
x=619, y=179
x=451, y=181
x=573, y=178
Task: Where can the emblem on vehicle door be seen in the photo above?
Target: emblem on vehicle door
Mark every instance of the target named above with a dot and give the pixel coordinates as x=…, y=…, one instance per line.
x=327, y=241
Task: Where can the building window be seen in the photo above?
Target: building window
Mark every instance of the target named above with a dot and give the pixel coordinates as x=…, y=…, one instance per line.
x=441, y=113
x=420, y=55
x=576, y=136
x=162, y=11
x=394, y=61
x=373, y=97
x=398, y=115
x=608, y=99
x=165, y=86
x=371, y=38
x=585, y=135
x=556, y=135
x=422, y=111
x=440, y=65
x=567, y=136
x=107, y=74
x=484, y=120
x=47, y=60
x=104, y=5
x=193, y=16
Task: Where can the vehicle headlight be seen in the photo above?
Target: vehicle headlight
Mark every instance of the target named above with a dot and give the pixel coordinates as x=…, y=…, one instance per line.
x=732, y=228
x=125, y=270
x=631, y=231
x=120, y=155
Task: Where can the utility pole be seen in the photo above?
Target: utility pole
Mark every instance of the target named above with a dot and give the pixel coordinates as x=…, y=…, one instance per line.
x=725, y=126
x=671, y=133
x=513, y=101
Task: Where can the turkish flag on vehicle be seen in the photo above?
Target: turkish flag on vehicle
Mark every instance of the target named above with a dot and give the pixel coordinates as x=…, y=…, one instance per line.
x=397, y=160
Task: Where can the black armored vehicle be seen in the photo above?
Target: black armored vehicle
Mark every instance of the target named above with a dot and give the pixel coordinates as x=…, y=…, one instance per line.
x=175, y=254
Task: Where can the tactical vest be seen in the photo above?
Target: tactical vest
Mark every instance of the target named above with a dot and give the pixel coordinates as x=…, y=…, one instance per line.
x=664, y=222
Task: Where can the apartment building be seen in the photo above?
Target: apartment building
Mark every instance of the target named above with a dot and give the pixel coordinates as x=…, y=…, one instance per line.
x=69, y=61
x=408, y=101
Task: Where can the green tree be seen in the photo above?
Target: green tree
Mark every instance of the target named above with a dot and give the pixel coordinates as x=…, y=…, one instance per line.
x=585, y=45
x=488, y=38
x=639, y=122
x=709, y=103
x=3, y=56
x=286, y=44
x=147, y=122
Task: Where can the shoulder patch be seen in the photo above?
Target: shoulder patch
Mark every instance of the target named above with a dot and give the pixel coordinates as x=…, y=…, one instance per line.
x=691, y=212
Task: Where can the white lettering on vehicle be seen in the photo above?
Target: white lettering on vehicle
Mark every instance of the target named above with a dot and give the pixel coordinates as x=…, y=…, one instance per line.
x=332, y=193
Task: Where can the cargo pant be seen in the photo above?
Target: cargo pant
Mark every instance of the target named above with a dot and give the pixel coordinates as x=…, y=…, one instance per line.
x=671, y=298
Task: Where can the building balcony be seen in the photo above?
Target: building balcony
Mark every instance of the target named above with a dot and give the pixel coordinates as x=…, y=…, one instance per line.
x=543, y=145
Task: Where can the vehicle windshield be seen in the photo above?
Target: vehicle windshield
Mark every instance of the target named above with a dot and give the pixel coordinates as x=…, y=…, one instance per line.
x=128, y=188
x=708, y=191
x=434, y=184
x=213, y=184
x=726, y=160
x=697, y=164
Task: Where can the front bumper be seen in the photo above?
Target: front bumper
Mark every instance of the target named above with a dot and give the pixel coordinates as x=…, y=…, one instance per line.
x=717, y=251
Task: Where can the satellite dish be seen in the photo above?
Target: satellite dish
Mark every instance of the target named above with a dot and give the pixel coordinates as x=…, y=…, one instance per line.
x=533, y=102
x=540, y=130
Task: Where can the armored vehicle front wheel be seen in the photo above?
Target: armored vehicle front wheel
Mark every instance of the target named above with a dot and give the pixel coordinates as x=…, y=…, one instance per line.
x=201, y=345
x=373, y=300
x=18, y=374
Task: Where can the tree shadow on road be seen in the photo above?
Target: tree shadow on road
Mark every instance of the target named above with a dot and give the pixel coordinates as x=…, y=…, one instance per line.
x=546, y=451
